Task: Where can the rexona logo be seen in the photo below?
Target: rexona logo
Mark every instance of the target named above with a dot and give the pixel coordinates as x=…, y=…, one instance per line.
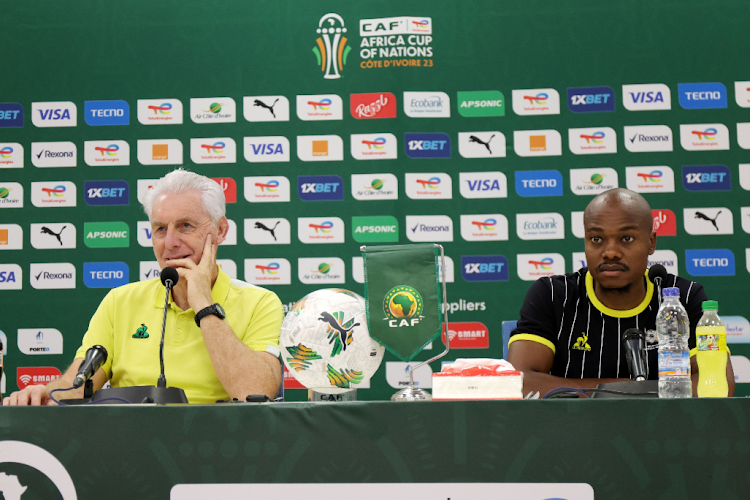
x=467, y=335
x=484, y=267
x=11, y=277
x=98, y=113
x=331, y=50
x=320, y=188
x=539, y=183
x=543, y=226
x=321, y=270
x=591, y=99
x=532, y=266
x=646, y=97
x=666, y=258
x=11, y=195
x=11, y=237
x=106, y=234
x=592, y=181
x=229, y=186
x=648, y=138
x=101, y=153
x=36, y=375
x=704, y=137
x=11, y=154
x=659, y=179
x=265, y=189
x=11, y=115
x=52, y=276
x=160, y=111
x=665, y=222
x=427, y=105
x=481, y=103
x=320, y=107
x=54, y=154
x=429, y=186
x=592, y=141
x=148, y=270
x=53, y=194
x=266, y=149
x=436, y=145
x=40, y=341
x=213, y=110
x=702, y=95
x=378, y=229
x=706, y=178
x=98, y=193
x=484, y=227
x=321, y=230
x=481, y=144
x=54, y=114
x=403, y=306
x=273, y=231
x=271, y=271
x=52, y=236
x=105, y=274
x=213, y=150
x=718, y=262
x=430, y=228
x=320, y=148
x=159, y=152
x=366, y=187
x=383, y=146
x=483, y=184
x=376, y=105
x=536, y=102
x=266, y=108
x=708, y=221
x=537, y=142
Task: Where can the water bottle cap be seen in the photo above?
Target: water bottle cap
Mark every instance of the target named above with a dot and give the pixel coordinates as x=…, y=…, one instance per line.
x=710, y=305
x=671, y=292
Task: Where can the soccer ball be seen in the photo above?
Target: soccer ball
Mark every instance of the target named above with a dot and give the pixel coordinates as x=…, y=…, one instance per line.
x=325, y=343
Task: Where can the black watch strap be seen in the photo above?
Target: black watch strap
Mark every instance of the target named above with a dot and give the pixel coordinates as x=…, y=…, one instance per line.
x=214, y=309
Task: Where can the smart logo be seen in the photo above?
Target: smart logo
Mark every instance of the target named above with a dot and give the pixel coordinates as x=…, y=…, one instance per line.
x=436, y=145
x=98, y=193
x=320, y=188
x=105, y=274
x=591, y=99
x=484, y=267
x=106, y=234
x=539, y=183
x=702, y=95
x=11, y=115
x=717, y=262
x=706, y=178
x=97, y=113
x=54, y=114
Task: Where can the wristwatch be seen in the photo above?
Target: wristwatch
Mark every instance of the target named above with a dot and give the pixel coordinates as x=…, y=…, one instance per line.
x=214, y=309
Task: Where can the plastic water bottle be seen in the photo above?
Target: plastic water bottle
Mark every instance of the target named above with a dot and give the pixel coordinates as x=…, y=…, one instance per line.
x=673, y=331
x=711, y=340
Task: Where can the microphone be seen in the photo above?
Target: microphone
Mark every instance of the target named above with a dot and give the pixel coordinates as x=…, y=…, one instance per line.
x=95, y=358
x=635, y=352
x=169, y=278
x=657, y=274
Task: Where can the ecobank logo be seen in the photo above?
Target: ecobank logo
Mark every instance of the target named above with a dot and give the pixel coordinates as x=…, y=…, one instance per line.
x=702, y=95
x=106, y=234
x=375, y=105
x=366, y=187
x=53, y=276
x=11, y=115
x=484, y=227
x=706, y=178
x=105, y=274
x=273, y=231
x=377, y=229
x=436, y=145
x=40, y=341
x=659, y=179
x=321, y=230
x=331, y=50
x=542, y=226
x=213, y=150
x=159, y=111
x=320, y=148
x=266, y=108
x=100, y=153
x=704, y=137
x=53, y=194
x=97, y=113
x=484, y=267
x=539, y=183
x=481, y=144
x=320, y=107
x=429, y=186
x=483, y=184
x=321, y=270
x=11, y=195
x=714, y=262
x=100, y=193
x=536, y=102
x=11, y=277
x=532, y=266
x=648, y=138
x=429, y=228
x=270, y=271
x=266, y=149
x=11, y=155
x=213, y=110
x=52, y=236
x=54, y=154
x=427, y=105
x=592, y=181
x=382, y=146
x=54, y=114
x=591, y=99
x=481, y=103
x=264, y=189
x=646, y=97
x=320, y=188
x=592, y=141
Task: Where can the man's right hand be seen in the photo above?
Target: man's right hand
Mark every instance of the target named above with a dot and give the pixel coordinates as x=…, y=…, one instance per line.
x=33, y=395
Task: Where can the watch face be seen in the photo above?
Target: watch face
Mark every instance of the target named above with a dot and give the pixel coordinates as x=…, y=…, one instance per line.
x=221, y=310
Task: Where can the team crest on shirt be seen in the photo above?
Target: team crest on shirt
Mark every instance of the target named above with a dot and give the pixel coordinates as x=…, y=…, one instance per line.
x=141, y=333
x=582, y=343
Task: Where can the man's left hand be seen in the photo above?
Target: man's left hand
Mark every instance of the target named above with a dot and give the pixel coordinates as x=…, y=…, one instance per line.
x=199, y=276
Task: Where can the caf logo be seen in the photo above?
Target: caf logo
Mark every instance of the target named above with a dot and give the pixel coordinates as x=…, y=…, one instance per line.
x=403, y=306
x=18, y=452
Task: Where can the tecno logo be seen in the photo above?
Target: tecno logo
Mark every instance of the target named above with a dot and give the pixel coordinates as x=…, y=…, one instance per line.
x=716, y=262
x=539, y=183
x=98, y=113
x=52, y=276
x=105, y=274
x=702, y=95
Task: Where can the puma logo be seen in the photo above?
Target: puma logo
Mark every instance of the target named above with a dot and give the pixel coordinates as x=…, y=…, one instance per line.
x=476, y=139
x=46, y=230
x=260, y=225
x=701, y=215
x=262, y=104
x=343, y=332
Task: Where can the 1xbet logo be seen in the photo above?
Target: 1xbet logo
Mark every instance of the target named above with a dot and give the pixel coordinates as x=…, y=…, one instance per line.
x=436, y=145
x=591, y=99
x=484, y=267
x=320, y=187
x=106, y=193
x=11, y=115
x=706, y=178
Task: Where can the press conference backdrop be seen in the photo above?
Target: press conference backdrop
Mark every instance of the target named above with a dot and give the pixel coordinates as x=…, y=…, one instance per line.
x=485, y=126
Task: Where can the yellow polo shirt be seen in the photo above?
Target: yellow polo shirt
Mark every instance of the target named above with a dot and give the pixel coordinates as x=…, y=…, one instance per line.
x=128, y=324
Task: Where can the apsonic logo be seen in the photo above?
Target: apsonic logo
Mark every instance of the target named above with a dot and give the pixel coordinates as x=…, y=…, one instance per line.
x=100, y=193
x=429, y=186
x=213, y=150
x=273, y=231
x=159, y=111
x=483, y=184
x=591, y=99
x=52, y=276
x=97, y=113
x=374, y=105
x=427, y=105
x=53, y=194
x=484, y=227
x=592, y=181
x=481, y=144
x=320, y=188
x=429, y=228
x=320, y=148
x=213, y=110
x=592, y=141
x=481, y=103
x=484, y=267
x=702, y=95
x=532, y=266
x=321, y=230
x=266, y=108
x=536, y=102
x=106, y=234
x=54, y=114
x=375, y=229
x=11, y=154
x=320, y=107
x=420, y=145
x=706, y=178
x=541, y=226
x=98, y=153
x=263, y=189
x=40, y=341
x=105, y=274
x=383, y=146
x=646, y=97
x=539, y=183
x=715, y=262
x=320, y=270
x=659, y=179
x=54, y=154
x=271, y=271
x=366, y=187
x=266, y=149
x=11, y=115
x=331, y=49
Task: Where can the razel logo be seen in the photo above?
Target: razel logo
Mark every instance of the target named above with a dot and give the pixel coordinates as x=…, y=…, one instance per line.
x=53, y=194
x=591, y=99
x=481, y=144
x=708, y=221
x=366, y=187
x=383, y=146
x=715, y=262
x=320, y=188
x=229, y=186
x=658, y=179
x=53, y=235
x=376, y=105
x=484, y=267
x=320, y=107
x=539, y=183
x=54, y=114
x=11, y=154
x=467, y=335
x=266, y=108
x=437, y=145
x=532, y=266
x=11, y=115
x=706, y=178
x=106, y=113
x=105, y=274
x=702, y=95
x=272, y=271
x=266, y=149
x=99, y=193
x=483, y=184
x=267, y=189
x=429, y=186
x=646, y=97
x=160, y=111
x=665, y=222
x=36, y=375
x=52, y=276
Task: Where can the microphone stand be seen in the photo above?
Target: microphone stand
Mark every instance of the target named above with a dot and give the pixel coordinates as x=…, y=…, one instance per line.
x=162, y=382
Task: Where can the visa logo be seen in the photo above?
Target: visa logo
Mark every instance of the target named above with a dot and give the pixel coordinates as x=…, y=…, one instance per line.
x=484, y=185
x=646, y=97
x=54, y=114
x=267, y=149
x=7, y=277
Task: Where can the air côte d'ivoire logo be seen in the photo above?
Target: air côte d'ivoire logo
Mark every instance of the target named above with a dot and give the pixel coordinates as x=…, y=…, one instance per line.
x=403, y=306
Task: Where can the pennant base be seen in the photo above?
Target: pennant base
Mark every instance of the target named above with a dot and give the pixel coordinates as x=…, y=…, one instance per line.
x=322, y=397
x=412, y=393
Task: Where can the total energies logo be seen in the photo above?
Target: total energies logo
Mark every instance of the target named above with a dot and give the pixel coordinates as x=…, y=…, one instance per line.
x=396, y=42
x=534, y=266
x=213, y=150
x=160, y=111
x=98, y=153
x=704, y=137
x=536, y=102
x=331, y=50
x=11, y=155
x=403, y=306
x=650, y=179
x=263, y=189
x=382, y=146
x=484, y=227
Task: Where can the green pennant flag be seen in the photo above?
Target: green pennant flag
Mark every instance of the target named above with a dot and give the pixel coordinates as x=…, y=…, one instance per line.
x=404, y=296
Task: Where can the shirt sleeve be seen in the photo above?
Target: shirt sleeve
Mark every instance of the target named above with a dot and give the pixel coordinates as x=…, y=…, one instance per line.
x=262, y=334
x=693, y=303
x=537, y=322
x=101, y=332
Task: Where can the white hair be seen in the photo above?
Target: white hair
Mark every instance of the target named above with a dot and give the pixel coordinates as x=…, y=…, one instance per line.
x=181, y=180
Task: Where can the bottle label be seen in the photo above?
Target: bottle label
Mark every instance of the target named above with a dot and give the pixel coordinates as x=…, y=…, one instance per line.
x=708, y=342
x=674, y=363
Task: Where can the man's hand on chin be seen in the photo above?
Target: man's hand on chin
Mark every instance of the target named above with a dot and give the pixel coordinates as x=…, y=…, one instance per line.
x=198, y=277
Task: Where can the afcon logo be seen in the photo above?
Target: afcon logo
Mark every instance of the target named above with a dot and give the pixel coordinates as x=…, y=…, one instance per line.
x=332, y=50
x=402, y=302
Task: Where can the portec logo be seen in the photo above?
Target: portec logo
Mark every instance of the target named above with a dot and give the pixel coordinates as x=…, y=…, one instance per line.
x=18, y=452
x=320, y=148
x=105, y=274
x=53, y=235
x=708, y=221
x=483, y=184
x=367, y=187
x=702, y=95
x=383, y=146
x=665, y=222
x=743, y=136
x=321, y=230
x=11, y=115
x=429, y=186
x=397, y=375
x=430, y=228
x=271, y=271
x=54, y=114
x=648, y=138
x=592, y=141
x=714, y=262
x=100, y=153
x=98, y=113
x=542, y=226
x=148, y=270
x=484, y=267
x=536, y=102
x=99, y=193
x=320, y=107
x=704, y=137
x=706, y=178
x=273, y=231
x=40, y=341
x=144, y=233
x=213, y=150
x=646, y=97
x=591, y=99
x=666, y=258
x=53, y=194
x=376, y=105
x=52, y=276
x=11, y=195
x=159, y=152
x=481, y=144
x=266, y=108
x=741, y=94
x=11, y=277
x=539, y=183
x=659, y=179
x=266, y=149
x=321, y=270
x=54, y=154
x=213, y=110
x=437, y=145
x=263, y=189
x=468, y=335
x=592, y=181
x=160, y=111
x=484, y=227
x=11, y=154
x=532, y=266
x=537, y=142
x=11, y=237
x=427, y=105
x=229, y=186
x=320, y=188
